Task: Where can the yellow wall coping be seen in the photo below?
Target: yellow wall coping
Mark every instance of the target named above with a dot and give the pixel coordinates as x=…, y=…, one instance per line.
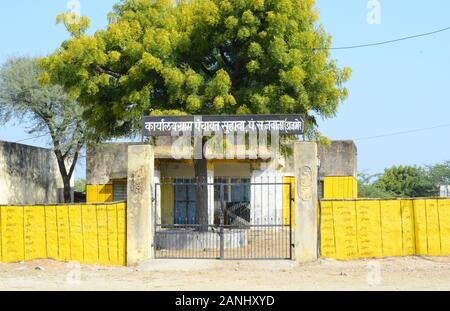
x=64, y=204
x=388, y=199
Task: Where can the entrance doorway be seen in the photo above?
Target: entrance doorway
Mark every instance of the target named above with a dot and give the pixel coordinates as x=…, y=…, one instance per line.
x=185, y=204
x=251, y=220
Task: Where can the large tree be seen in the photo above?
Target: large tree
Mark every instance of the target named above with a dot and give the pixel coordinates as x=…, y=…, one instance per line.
x=406, y=181
x=47, y=110
x=368, y=187
x=199, y=57
x=439, y=174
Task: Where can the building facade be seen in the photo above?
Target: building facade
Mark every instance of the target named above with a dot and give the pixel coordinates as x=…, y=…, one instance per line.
x=260, y=189
x=444, y=191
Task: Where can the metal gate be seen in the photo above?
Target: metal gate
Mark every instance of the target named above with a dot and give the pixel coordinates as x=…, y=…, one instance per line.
x=245, y=220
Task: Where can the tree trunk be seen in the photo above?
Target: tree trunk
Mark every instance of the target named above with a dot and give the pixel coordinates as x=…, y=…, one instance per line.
x=67, y=188
x=201, y=178
x=66, y=176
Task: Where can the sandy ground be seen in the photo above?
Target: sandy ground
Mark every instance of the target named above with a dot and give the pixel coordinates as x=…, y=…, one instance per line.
x=412, y=273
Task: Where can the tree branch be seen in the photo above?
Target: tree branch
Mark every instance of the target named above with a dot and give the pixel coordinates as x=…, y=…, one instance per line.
x=206, y=70
x=225, y=58
x=109, y=72
x=74, y=163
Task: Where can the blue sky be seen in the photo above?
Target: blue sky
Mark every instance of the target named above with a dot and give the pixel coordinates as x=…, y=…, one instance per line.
x=394, y=88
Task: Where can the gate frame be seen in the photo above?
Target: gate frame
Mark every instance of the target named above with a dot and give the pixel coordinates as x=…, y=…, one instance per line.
x=140, y=230
x=220, y=228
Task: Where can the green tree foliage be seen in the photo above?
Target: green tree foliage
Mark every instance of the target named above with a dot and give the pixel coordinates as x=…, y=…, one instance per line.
x=80, y=186
x=46, y=110
x=439, y=174
x=406, y=181
x=367, y=187
x=199, y=57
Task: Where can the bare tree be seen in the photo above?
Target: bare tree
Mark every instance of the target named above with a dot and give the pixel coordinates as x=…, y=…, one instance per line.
x=44, y=109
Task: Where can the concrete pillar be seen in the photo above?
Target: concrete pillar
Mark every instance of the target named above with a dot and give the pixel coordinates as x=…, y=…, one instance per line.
x=306, y=220
x=140, y=222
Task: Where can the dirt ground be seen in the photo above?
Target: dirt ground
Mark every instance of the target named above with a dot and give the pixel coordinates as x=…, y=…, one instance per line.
x=411, y=273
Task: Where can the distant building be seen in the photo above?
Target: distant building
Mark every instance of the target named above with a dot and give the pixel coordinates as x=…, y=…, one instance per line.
x=445, y=191
x=28, y=175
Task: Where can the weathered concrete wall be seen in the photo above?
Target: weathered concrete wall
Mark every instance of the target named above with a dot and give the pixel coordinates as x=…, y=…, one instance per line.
x=109, y=161
x=338, y=159
x=28, y=175
x=106, y=162
x=139, y=204
x=306, y=212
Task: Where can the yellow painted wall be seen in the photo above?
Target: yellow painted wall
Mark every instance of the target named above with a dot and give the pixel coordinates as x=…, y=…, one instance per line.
x=352, y=229
x=340, y=187
x=167, y=202
x=99, y=193
x=288, y=200
x=94, y=234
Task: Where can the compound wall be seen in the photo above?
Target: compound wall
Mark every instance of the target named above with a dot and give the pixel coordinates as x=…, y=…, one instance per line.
x=91, y=234
x=351, y=229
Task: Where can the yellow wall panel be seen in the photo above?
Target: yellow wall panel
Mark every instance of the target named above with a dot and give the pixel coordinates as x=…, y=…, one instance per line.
x=391, y=228
x=345, y=186
x=105, y=193
x=288, y=200
x=102, y=228
x=369, y=229
x=91, y=194
x=109, y=193
x=333, y=188
x=122, y=232
x=355, y=187
x=444, y=218
x=51, y=225
x=90, y=242
x=349, y=188
x=99, y=193
x=420, y=222
x=167, y=202
x=327, y=188
x=433, y=230
x=34, y=232
x=345, y=229
x=340, y=187
x=408, y=234
x=327, y=243
x=76, y=233
x=406, y=227
x=112, y=234
x=12, y=234
x=86, y=233
x=1, y=235
x=62, y=215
